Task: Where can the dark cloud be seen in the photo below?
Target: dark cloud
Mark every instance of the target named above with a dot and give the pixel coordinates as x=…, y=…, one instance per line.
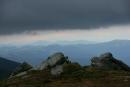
x=26, y=15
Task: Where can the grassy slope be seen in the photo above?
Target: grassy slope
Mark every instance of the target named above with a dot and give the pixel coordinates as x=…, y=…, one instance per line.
x=91, y=78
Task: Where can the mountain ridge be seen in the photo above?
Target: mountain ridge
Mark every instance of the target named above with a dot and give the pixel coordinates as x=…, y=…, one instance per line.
x=6, y=67
x=34, y=54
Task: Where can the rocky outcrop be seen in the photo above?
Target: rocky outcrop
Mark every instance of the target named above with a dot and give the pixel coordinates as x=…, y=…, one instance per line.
x=107, y=61
x=21, y=69
x=55, y=63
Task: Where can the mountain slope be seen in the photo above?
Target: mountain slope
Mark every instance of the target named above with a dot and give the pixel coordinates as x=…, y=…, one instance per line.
x=6, y=67
x=73, y=74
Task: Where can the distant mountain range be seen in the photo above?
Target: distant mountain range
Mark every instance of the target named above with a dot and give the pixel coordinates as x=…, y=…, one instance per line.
x=81, y=52
x=62, y=42
x=6, y=67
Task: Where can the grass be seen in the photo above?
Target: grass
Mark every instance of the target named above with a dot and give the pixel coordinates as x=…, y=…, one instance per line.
x=74, y=76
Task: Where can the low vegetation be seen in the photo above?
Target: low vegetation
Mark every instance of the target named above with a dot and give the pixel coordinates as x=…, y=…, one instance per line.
x=73, y=76
x=102, y=72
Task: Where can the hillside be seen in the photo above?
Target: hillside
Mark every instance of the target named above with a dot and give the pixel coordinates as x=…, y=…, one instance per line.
x=93, y=78
x=117, y=74
x=6, y=67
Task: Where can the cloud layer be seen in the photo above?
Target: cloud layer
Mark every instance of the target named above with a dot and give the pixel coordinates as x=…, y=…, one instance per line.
x=26, y=15
x=97, y=35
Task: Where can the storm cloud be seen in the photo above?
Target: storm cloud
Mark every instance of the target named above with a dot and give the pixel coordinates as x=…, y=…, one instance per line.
x=26, y=15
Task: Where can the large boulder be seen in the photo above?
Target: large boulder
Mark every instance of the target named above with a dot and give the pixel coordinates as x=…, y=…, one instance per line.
x=21, y=69
x=55, y=63
x=107, y=61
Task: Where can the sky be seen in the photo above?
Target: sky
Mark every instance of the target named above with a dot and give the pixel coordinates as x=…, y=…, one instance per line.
x=95, y=35
x=23, y=21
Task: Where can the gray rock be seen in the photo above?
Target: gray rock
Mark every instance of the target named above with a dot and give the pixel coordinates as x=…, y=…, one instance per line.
x=107, y=61
x=54, y=63
x=106, y=55
x=95, y=62
x=57, y=70
x=21, y=69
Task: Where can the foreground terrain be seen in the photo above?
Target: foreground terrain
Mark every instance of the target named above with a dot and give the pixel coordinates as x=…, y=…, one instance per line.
x=58, y=71
x=87, y=78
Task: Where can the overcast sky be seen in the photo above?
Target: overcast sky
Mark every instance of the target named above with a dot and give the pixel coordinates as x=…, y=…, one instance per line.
x=22, y=16
x=94, y=35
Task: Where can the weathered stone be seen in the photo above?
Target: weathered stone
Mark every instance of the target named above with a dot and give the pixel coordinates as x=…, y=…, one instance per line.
x=57, y=70
x=106, y=55
x=54, y=63
x=107, y=61
x=21, y=69
x=95, y=61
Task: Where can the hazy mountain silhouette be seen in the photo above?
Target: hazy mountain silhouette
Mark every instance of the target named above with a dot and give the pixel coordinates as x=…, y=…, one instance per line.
x=6, y=67
x=81, y=53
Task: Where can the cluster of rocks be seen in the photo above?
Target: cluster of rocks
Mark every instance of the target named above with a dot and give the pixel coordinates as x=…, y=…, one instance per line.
x=56, y=62
x=107, y=61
